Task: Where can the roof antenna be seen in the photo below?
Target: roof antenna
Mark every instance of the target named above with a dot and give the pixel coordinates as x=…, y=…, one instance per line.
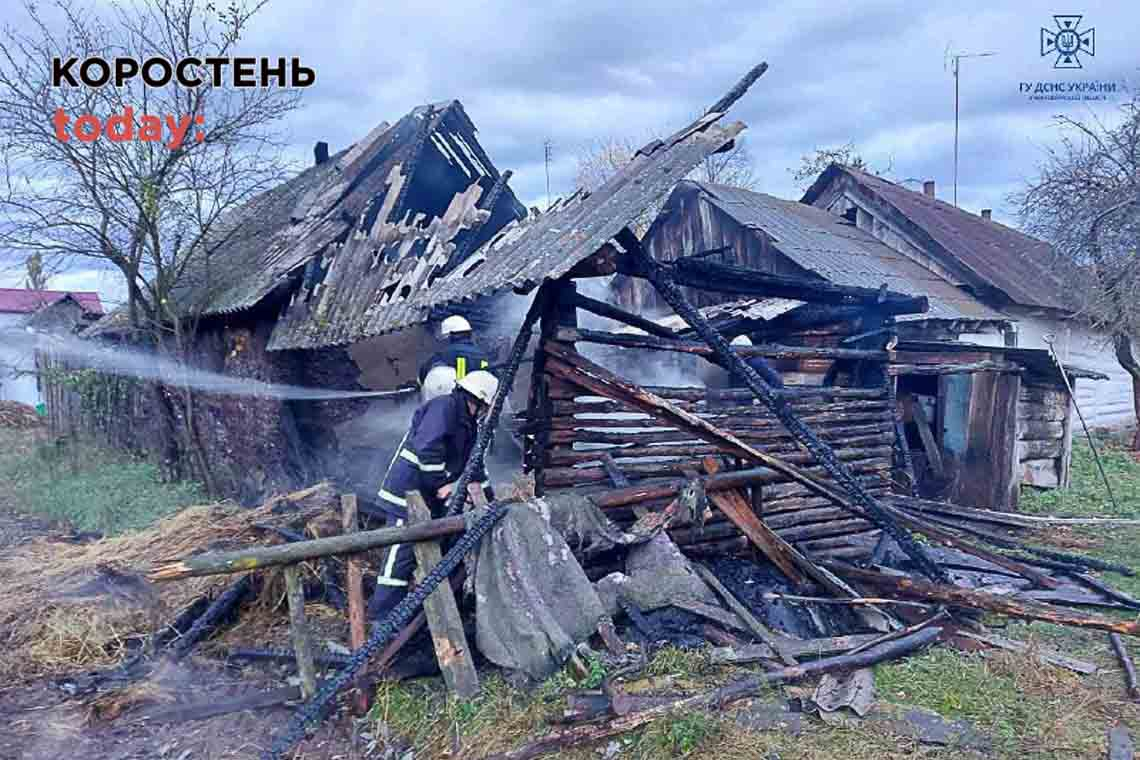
x=954, y=61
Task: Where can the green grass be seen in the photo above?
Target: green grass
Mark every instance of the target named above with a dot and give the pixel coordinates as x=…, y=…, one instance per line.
x=88, y=487
x=1087, y=496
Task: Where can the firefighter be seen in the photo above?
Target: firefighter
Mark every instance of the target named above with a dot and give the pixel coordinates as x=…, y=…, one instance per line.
x=757, y=363
x=443, y=369
x=429, y=460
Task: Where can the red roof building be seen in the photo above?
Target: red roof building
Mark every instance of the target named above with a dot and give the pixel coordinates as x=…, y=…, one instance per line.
x=23, y=301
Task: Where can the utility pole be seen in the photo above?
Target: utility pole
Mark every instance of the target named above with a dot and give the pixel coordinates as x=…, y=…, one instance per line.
x=956, y=62
x=548, y=151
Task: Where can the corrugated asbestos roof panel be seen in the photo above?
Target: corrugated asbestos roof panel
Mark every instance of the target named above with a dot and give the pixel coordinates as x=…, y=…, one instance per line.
x=284, y=228
x=439, y=201
x=838, y=251
x=530, y=251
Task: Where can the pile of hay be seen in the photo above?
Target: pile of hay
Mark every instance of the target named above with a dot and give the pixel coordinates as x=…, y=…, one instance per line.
x=68, y=607
x=18, y=416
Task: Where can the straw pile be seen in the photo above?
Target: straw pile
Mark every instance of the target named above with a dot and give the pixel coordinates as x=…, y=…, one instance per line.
x=18, y=416
x=67, y=607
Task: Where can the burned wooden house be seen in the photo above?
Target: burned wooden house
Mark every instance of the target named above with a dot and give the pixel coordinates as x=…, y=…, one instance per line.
x=307, y=281
x=974, y=417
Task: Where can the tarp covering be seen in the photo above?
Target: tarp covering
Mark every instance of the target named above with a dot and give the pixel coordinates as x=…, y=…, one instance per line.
x=534, y=603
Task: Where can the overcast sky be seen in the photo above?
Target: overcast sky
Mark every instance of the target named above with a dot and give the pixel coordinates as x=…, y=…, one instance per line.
x=870, y=73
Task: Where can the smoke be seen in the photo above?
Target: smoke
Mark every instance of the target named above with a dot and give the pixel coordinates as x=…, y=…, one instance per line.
x=146, y=366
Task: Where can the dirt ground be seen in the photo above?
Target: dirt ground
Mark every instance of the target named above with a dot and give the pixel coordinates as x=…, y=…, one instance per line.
x=43, y=722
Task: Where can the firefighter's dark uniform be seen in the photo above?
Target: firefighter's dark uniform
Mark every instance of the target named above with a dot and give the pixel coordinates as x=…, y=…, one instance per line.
x=433, y=453
x=762, y=368
x=463, y=355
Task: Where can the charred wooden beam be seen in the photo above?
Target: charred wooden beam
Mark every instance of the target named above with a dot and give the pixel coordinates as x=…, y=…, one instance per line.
x=865, y=462
x=747, y=687
x=738, y=511
x=603, y=309
x=565, y=457
x=624, y=340
x=726, y=278
x=919, y=590
x=954, y=369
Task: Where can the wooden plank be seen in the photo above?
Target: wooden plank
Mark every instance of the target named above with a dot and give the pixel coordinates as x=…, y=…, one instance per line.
x=354, y=587
x=758, y=629
x=1041, y=430
x=1039, y=449
x=929, y=444
x=1065, y=465
x=299, y=631
x=736, y=508
x=1041, y=473
x=989, y=471
x=442, y=613
x=627, y=340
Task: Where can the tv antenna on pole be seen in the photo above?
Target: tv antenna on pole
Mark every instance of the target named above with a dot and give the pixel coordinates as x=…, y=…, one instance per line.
x=955, y=62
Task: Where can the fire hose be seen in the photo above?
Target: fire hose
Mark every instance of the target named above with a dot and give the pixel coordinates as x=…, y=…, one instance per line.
x=396, y=619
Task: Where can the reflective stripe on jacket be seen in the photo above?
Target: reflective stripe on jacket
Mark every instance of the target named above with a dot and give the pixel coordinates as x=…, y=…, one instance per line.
x=434, y=452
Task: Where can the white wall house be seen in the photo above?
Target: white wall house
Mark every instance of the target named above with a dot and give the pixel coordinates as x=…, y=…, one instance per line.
x=1007, y=270
x=18, y=381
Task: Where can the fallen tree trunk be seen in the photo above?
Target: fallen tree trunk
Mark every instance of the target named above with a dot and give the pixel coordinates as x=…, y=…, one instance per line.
x=919, y=590
x=747, y=687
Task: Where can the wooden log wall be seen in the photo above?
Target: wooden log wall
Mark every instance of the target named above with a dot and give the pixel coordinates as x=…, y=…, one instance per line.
x=856, y=422
x=1045, y=422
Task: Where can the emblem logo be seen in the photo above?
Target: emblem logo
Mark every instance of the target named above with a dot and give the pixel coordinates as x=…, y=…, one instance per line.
x=1067, y=42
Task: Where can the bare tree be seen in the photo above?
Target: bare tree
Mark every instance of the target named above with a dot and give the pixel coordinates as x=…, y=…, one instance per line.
x=37, y=278
x=813, y=164
x=155, y=211
x=601, y=159
x=1085, y=200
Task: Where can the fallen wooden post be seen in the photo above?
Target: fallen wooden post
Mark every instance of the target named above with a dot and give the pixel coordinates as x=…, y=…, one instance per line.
x=1127, y=664
x=747, y=687
x=354, y=586
x=302, y=646
x=444, y=622
x=758, y=629
x=929, y=445
x=912, y=588
x=258, y=557
x=778, y=551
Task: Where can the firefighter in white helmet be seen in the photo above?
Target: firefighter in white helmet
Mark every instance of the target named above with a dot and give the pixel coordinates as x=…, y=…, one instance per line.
x=430, y=459
x=444, y=368
x=757, y=363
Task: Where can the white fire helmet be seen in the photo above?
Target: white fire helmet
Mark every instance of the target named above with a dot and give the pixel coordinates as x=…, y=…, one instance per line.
x=439, y=381
x=742, y=340
x=454, y=324
x=481, y=384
